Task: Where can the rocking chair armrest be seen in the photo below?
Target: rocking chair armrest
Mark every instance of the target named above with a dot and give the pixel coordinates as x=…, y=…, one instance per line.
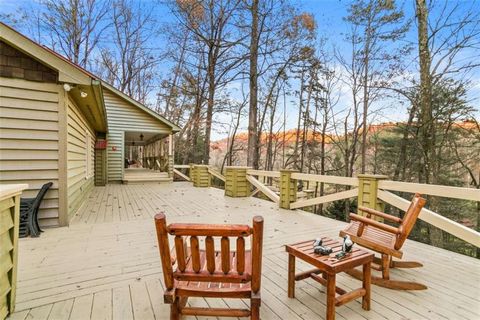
x=374, y=223
x=380, y=214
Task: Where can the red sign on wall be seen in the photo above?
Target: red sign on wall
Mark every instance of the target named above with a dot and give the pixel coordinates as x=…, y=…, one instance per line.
x=101, y=144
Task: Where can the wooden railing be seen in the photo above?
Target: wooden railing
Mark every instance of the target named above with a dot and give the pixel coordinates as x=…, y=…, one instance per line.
x=178, y=167
x=370, y=190
x=251, y=174
x=200, y=175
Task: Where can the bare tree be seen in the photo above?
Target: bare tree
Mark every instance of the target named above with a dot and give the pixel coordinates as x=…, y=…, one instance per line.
x=379, y=24
x=75, y=27
x=129, y=64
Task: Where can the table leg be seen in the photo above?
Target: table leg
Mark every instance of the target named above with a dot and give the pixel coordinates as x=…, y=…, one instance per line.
x=366, y=285
x=331, y=296
x=291, y=276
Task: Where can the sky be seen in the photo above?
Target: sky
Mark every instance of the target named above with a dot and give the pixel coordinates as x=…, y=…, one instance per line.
x=329, y=18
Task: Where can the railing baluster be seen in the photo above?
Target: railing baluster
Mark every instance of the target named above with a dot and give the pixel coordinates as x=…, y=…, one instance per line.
x=180, y=250
x=194, y=247
x=210, y=252
x=240, y=255
x=225, y=255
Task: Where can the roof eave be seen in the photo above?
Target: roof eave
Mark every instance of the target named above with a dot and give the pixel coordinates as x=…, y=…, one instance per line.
x=98, y=92
x=124, y=96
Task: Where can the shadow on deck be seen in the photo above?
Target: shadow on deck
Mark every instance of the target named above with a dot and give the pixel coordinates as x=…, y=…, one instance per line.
x=106, y=264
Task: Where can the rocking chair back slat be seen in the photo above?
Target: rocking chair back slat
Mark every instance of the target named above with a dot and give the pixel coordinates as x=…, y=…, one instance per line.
x=195, y=249
x=240, y=255
x=210, y=252
x=181, y=254
x=225, y=246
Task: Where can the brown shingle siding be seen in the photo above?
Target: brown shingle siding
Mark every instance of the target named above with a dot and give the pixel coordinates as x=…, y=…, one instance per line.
x=16, y=64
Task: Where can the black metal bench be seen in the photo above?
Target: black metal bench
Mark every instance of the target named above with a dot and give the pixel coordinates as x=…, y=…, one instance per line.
x=29, y=213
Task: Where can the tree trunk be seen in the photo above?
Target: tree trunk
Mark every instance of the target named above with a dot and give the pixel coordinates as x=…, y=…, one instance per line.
x=210, y=103
x=252, y=158
x=299, y=123
x=425, y=89
x=305, y=127
x=400, y=166
x=365, y=113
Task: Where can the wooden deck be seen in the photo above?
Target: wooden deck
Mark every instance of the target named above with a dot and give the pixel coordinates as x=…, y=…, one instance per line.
x=106, y=264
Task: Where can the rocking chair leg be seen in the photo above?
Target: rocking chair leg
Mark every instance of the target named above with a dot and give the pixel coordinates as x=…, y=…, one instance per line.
x=255, y=309
x=175, y=310
x=385, y=266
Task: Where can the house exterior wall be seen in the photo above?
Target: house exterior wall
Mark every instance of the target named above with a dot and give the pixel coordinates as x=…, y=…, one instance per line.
x=121, y=117
x=29, y=140
x=80, y=157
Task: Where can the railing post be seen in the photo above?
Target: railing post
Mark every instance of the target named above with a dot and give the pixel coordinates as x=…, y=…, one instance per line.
x=236, y=183
x=368, y=190
x=202, y=176
x=170, y=165
x=288, y=188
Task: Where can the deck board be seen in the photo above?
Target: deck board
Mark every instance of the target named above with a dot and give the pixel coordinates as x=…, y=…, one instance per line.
x=106, y=264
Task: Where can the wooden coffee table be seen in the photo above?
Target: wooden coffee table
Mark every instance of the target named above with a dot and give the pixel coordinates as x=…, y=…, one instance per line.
x=328, y=267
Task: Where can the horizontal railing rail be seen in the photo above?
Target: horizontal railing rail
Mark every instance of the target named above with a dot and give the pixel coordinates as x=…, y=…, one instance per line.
x=181, y=166
x=325, y=199
x=431, y=189
x=326, y=179
x=263, y=173
x=370, y=190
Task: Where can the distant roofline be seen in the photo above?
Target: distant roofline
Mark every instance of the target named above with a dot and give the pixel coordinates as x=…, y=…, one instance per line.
x=126, y=97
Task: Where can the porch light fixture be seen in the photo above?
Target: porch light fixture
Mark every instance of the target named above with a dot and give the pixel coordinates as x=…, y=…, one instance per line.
x=67, y=87
x=83, y=94
x=141, y=136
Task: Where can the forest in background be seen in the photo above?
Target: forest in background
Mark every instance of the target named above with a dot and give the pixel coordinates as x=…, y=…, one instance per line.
x=260, y=64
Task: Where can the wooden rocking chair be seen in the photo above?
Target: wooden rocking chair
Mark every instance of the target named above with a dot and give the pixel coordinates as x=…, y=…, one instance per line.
x=386, y=240
x=209, y=273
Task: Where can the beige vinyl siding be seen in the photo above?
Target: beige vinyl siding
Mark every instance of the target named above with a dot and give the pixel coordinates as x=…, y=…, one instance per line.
x=78, y=131
x=29, y=140
x=122, y=116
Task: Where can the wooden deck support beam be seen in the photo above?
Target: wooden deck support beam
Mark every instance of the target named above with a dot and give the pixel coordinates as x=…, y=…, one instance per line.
x=236, y=184
x=368, y=193
x=288, y=188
